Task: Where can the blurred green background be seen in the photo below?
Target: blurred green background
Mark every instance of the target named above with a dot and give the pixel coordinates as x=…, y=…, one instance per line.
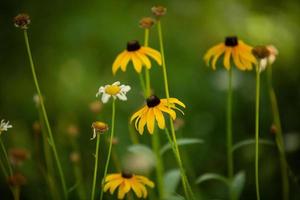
x=74, y=44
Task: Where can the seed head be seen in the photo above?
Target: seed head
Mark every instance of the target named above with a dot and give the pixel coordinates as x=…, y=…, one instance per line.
x=22, y=21
x=146, y=22
x=261, y=52
x=99, y=127
x=159, y=11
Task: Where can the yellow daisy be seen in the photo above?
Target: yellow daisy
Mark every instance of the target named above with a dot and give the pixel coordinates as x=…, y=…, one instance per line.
x=232, y=47
x=127, y=181
x=138, y=55
x=153, y=110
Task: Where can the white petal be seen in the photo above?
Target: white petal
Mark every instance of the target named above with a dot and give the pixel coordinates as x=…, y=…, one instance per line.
x=105, y=98
x=122, y=96
x=263, y=64
x=125, y=88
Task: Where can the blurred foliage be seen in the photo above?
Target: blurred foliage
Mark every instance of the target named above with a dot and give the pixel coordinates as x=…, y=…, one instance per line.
x=74, y=44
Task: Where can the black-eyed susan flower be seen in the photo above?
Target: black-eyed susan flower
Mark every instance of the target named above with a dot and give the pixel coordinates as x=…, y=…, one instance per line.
x=138, y=55
x=115, y=90
x=125, y=182
x=153, y=111
x=231, y=48
x=4, y=126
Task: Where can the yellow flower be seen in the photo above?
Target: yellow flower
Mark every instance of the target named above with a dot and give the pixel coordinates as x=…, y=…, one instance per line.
x=232, y=47
x=138, y=55
x=153, y=110
x=127, y=181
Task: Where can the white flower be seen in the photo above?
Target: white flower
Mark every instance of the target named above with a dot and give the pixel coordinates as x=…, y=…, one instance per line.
x=4, y=126
x=115, y=90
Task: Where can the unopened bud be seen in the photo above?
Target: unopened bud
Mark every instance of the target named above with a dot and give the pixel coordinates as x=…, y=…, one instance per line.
x=146, y=22
x=158, y=11
x=22, y=21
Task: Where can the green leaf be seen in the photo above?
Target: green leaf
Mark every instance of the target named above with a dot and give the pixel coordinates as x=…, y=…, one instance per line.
x=181, y=142
x=212, y=176
x=171, y=182
x=139, y=148
x=250, y=142
x=174, y=197
x=237, y=184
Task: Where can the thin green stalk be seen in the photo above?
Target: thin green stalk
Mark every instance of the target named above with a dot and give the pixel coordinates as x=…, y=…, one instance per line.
x=113, y=116
x=147, y=71
x=3, y=169
x=257, y=101
x=6, y=158
x=187, y=188
x=142, y=82
x=279, y=137
x=61, y=174
x=95, y=167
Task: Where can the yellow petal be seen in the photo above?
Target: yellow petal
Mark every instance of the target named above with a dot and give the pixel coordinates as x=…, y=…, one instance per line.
x=150, y=120
x=112, y=177
x=145, y=60
x=217, y=56
x=168, y=110
x=176, y=101
x=118, y=62
x=113, y=185
x=142, y=123
x=125, y=61
x=123, y=189
x=146, y=181
x=227, y=58
x=153, y=54
x=136, y=189
x=159, y=118
x=245, y=52
x=143, y=189
x=137, y=64
x=138, y=113
x=213, y=51
x=236, y=59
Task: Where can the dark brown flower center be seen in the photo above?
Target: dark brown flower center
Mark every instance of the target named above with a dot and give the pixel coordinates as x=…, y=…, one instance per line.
x=152, y=101
x=133, y=45
x=231, y=41
x=261, y=52
x=127, y=175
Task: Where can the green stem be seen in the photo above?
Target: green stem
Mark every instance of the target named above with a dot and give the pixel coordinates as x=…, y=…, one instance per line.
x=147, y=71
x=95, y=167
x=229, y=131
x=142, y=82
x=61, y=174
x=6, y=158
x=110, y=145
x=257, y=132
x=279, y=137
x=187, y=188
x=3, y=169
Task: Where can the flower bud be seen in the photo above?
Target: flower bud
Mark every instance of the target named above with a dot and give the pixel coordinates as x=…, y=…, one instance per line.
x=22, y=21
x=99, y=127
x=146, y=22
x=158, y=11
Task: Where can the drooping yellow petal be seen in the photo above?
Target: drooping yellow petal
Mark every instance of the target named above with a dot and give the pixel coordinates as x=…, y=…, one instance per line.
x=150, y=120
x=217, y=56
x=227, y=57
x=123, y=189
x=125, y=61
x=142, y=123
x=137, y=190
x=245, y=52
x=145, y=181
x=236, y=59
x=113, y=185
x=213, y=51
x=138, y=113
x=176, y=101
x=145, y=60
x=112, y=177
x=118, y=61
x=143, y=189
x=137, y=64
x=171, y=112
x=153, y=54
x=159, y=118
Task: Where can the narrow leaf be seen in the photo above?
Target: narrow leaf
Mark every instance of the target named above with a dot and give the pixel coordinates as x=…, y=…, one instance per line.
x=171, y=182
x=181, y=142
x=237, y=184
x=212, y=176
x=250, y=142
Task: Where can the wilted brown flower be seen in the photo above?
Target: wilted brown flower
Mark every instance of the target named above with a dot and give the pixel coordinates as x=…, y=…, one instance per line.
x=22, y=21
x=146, y=22
x=18, y=155
x=159, y=11
x=16, y=180
x=273, y=129
x=99, y=127
x=261, y=52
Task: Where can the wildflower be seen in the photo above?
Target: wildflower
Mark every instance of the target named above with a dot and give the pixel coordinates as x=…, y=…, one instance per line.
x=159, y=11
x=17, y=180
x=115, y=90
x=266, y=55
x=127, y=181
x=146, y=22
x=4, y=126
x=99, y=127
x=18, y=155
x=153, y=110
x=232, y=47
x=22, y=21
x=138, y=55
